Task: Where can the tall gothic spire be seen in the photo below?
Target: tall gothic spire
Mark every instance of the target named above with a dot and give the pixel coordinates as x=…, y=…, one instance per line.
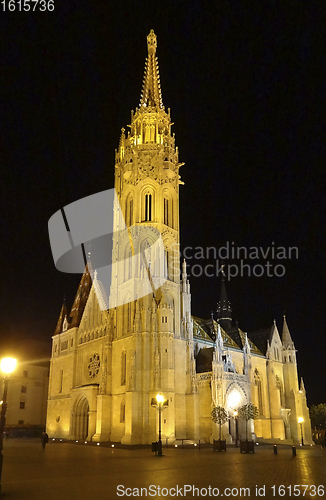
x=151, y=92
x=286, y=336
x=224, y=311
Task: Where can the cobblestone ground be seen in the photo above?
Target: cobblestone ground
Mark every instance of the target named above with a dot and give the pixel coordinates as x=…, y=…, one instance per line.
x=67, y=471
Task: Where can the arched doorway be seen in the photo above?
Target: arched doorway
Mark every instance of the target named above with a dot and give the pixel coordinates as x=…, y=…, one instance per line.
x=81, y=419
x=235, y=398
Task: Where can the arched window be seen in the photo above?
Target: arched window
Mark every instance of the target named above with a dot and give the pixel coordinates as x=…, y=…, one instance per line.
x=129, y=316
x=167, y=263
x=279, y=387
x=148, y=207
x=259, y=392
x=129, y=211
x=166, y=211
x=61, y=381
x=123, y=367
x=123, y=412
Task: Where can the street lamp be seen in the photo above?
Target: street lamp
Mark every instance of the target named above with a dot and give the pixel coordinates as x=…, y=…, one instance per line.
x=160, y=404
x=301, y=420
x=236, y=428
x=7, y=366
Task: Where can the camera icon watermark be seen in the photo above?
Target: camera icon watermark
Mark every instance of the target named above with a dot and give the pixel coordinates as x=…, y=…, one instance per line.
x=92, y=231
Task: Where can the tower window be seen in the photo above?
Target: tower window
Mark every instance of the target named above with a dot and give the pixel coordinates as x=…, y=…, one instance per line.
x=61, y=381
x=22, y=405
x=259, y=392
x=129, y=211
x=123, y=367
x=23, y=388
x=148, y=207
x=166, y=211
x=123, y=412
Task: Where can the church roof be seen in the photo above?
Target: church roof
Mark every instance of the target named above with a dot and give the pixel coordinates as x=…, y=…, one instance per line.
x=151, y=92
x=286, y=336
x=79, y=304
x=204, y=360
x=253, y=348
x=80, y=299
x=260, y=338
x=206, y=329
x=62, y=315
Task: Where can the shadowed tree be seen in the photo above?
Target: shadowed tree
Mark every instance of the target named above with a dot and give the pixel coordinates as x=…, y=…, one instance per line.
x=219, y=416
x=248, y=412
x=318, y=416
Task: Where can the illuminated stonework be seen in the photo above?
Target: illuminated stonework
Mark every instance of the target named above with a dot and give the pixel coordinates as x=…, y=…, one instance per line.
x=108, y=365
x=94, y=366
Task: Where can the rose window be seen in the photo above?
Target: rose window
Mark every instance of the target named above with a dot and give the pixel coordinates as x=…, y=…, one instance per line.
x=93, y=365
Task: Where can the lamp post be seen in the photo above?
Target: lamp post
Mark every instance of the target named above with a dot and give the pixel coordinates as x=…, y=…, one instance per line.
x=236, y=428
x=160, y=404
x=7, y=366
x=301, y=420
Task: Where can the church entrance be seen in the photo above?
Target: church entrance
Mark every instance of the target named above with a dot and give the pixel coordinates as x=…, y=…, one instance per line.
x=80, y=420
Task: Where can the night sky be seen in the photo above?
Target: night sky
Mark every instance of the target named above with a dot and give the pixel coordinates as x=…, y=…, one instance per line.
x=246, y=88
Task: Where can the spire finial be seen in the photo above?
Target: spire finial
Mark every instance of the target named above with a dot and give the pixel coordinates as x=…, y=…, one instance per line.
x=151, y=42
x=151, y=95
x=224, y=310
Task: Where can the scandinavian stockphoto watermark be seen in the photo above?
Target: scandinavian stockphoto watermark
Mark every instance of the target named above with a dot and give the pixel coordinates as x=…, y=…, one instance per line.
x=232, y=260
x=92, y=231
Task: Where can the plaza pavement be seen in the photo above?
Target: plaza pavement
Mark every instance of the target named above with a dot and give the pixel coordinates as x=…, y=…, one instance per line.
x=66, y=471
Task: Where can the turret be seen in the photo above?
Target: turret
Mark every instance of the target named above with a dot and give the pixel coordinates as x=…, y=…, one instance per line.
x=288, y=351
x=291, y=383
x=224, y=311
x=246, y=357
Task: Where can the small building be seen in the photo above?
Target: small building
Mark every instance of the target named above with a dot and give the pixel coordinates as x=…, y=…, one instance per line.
x=28, y=389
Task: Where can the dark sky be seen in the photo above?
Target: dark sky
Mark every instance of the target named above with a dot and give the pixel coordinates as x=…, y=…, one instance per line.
x=246, y=88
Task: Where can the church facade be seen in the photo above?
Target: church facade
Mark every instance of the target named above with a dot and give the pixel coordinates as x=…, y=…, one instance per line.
x=108, y=364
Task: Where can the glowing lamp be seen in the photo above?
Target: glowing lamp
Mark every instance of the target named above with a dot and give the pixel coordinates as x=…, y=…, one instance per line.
x=300, y=420
x=234, y=399
x=8, y=365
x=159, y=398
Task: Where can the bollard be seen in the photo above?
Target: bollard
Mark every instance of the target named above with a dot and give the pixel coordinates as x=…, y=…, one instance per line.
x=294, y=451
x=275, y=449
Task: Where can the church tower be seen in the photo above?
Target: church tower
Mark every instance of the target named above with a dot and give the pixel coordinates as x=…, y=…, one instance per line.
x=111, y=358
x=151, y=334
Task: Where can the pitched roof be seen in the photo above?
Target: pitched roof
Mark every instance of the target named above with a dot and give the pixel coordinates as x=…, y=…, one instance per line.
x=253, y=348
x=62, y=315
x=204, y=360
x=260, y=338
x=79, y=304
x=206, y=329
x=286, y=336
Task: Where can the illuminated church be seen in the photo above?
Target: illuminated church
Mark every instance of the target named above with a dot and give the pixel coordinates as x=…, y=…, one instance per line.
x=108, y=363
